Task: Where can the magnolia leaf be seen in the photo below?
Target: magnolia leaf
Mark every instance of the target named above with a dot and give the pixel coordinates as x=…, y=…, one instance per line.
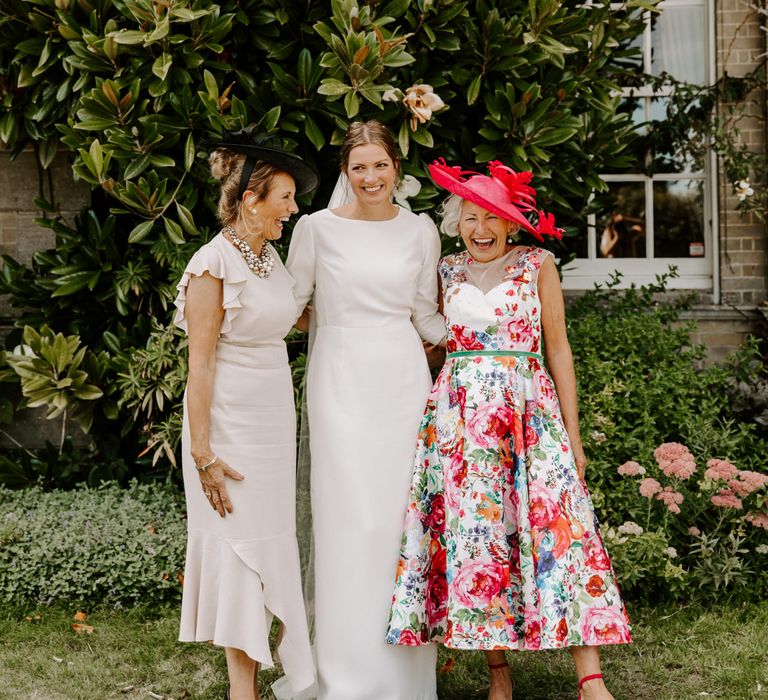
x=140, y=232
x=423, y=137
x=473, y=91
x=175, y=234
x=403, y=139
x=189, y=152
x=313, y=132
x=270, y=119
x=128, y=36
x=46, y=151
x=97, y=157
x=162, y=65
x=333, y=87
x=161, y=31
x=211, y=85
x=95, y=124
x=186, y=219
x=351, y=104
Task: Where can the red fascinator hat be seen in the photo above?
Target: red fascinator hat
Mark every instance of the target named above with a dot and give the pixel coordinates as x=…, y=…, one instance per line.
x=503, y=191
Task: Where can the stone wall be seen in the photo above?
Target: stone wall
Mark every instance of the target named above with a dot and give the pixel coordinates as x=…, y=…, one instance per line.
x=20, y=237
x=21, y=181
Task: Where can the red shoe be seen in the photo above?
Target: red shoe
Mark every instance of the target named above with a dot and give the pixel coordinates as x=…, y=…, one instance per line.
x=586, y=679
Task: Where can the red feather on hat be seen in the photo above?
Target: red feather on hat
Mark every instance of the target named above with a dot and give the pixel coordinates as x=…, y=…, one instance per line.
x=547, y=226
x=520, y=192
x=453, y=171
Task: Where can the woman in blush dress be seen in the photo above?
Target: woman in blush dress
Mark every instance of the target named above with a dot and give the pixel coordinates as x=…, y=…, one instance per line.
x=239, y=439
x=371, y=267
x=501, y=548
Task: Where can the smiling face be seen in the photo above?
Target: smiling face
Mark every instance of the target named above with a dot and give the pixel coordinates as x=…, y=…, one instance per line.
x=271, y=213
x=372, y=174
x=483, y=232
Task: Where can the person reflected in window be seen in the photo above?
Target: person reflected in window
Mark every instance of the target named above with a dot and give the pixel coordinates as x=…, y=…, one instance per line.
x=621, y=237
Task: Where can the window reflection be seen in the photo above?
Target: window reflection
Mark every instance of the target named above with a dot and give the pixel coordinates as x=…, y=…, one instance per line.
x=621, y=229
x=678, y=218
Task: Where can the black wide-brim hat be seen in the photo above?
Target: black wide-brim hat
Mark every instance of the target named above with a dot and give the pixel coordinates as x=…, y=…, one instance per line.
x=258, y=146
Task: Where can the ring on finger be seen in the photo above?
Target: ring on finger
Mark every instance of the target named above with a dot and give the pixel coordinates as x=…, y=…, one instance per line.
x=207, y=494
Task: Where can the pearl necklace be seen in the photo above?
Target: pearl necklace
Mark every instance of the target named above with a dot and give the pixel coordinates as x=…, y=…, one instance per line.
x=260, y=264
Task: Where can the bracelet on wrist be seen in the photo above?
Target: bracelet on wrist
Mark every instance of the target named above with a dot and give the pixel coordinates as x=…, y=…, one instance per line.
x=205, y=466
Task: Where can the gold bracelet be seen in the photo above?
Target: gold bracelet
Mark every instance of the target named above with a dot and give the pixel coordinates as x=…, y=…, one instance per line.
x=207, y=464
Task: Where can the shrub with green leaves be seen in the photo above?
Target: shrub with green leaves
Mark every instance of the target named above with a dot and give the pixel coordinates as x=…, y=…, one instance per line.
x=131, y=88
x=643, y=385
x=106, y=545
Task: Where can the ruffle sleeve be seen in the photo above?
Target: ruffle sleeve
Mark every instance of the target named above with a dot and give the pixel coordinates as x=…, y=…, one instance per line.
x=213, y=261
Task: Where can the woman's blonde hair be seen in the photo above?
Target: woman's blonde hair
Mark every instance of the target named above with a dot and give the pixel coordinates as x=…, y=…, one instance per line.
x=450, y=213
x=363, y=133
x=227, y=167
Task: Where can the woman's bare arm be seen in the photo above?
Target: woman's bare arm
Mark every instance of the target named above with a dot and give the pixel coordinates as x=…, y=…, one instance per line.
x=559, y=357
x=204, y=314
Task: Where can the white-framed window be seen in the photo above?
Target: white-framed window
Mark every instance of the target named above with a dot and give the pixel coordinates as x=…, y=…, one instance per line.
x=665, y=212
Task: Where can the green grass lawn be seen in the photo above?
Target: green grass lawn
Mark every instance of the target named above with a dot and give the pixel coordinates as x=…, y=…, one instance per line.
x=678, y=654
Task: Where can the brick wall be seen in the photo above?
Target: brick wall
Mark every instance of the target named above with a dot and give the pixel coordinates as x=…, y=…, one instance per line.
x=743, y=260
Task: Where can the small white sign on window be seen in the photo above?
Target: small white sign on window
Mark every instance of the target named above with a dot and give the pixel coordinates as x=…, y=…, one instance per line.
x=696, y=249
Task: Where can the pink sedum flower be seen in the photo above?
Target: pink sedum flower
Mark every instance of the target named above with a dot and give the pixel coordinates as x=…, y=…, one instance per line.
x=631, y=469
x=725, y=498
x=694, y=531
x=720, y=469
x=649, y=487
x=671, y=499
x=758, y=519
x=752, y=481
x=675, y=460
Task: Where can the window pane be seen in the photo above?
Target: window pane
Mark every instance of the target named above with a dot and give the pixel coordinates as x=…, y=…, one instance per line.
x=678, y=41
x=678, y=219
x=667, y=158
x=621, y=227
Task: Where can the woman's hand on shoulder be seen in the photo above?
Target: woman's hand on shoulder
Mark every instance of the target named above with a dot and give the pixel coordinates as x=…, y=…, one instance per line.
x=214, y=485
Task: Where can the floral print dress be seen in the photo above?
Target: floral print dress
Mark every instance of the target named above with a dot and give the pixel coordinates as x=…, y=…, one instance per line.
x=501, y=548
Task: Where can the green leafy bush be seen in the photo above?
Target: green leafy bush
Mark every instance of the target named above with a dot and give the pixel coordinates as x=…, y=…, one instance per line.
x=643, y=384
x=130, y=90
x=107, y=545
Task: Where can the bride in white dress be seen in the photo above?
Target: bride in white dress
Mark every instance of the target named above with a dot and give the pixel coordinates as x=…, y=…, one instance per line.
x=371, y=267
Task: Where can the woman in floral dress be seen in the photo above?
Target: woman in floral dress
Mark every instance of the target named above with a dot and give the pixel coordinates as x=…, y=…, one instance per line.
x=501, y=548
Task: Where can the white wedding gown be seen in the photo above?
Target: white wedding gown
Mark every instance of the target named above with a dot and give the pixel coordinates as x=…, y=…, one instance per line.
x=375, y=290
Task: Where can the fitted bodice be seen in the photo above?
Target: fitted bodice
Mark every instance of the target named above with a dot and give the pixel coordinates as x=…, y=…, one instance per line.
x=505, y=317
x=367, y=274
x=258, y=311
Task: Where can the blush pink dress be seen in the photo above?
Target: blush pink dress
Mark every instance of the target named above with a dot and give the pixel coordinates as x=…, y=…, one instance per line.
x=242, y=570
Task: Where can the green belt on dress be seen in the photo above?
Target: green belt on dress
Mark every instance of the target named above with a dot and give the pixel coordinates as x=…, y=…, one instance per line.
x=496, y=353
